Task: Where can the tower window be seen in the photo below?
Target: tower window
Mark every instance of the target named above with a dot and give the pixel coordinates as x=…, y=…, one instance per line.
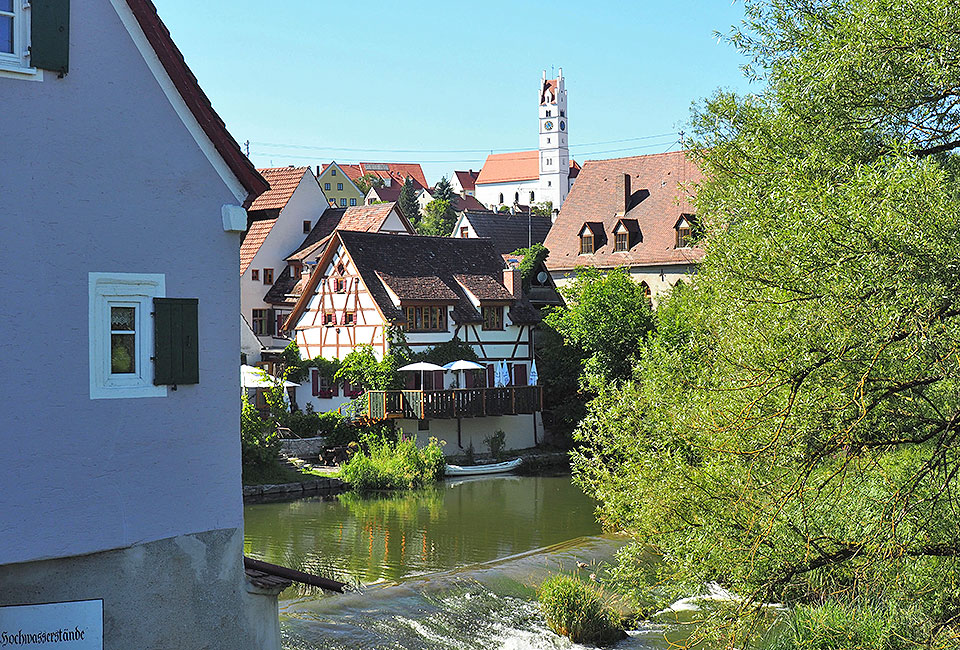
x=531, y=197
x=501, y=197
x=516, y=197
x=549, y=113
x=563, y=113
x=548, y=140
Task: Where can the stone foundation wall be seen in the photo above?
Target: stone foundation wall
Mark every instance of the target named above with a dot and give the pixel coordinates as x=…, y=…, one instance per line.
x=181, y=592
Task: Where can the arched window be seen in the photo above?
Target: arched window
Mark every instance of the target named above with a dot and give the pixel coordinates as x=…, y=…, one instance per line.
x=646, y=292
x=531, y=197
x=516, y=197
x=501, y=197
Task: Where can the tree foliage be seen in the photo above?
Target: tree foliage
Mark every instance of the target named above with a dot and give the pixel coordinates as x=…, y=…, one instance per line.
x=533, y=259
x=407, y=202
x=542, y=209
x=443, y=191
x=438, y=219
x=607, y=319
x=368, y=180
x=791, y=428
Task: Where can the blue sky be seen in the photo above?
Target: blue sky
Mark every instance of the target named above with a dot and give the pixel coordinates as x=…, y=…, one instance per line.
x=307, y=81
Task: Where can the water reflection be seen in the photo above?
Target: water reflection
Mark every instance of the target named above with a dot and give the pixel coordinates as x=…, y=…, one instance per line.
x=390, y=537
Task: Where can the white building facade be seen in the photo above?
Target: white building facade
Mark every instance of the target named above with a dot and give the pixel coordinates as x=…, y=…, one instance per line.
x=530, y=177
x=432, y=289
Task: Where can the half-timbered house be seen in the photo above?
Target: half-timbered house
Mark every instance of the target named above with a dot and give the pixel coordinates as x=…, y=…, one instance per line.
x=435, y=289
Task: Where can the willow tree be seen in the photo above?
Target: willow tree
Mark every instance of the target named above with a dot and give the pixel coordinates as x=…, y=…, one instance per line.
x=790, y=431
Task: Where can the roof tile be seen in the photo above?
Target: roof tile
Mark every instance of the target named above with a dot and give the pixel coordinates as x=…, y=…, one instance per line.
x=657, y=200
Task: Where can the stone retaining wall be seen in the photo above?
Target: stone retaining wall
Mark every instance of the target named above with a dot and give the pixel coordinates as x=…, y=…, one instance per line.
x=302, y=447
x=293, y=490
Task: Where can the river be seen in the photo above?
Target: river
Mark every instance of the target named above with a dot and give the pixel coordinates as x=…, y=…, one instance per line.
x=451, y=567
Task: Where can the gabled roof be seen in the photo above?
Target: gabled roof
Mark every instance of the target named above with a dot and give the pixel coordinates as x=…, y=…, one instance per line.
x=283, y=182
x=656, y=199
x=419, y=268
x=467, y=179
x=196, y=100
x=515, y=166
x=508, y=232
x=359, y=217
x=253, y=240
x=396, y=172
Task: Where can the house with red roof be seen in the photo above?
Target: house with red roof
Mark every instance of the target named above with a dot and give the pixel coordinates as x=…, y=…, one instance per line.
x=339, y=184
x=543, y=174
x=289, y=284
x=434, y=289
x=632, y=213
x=279, y=219
x=120, y=490
x=392, y=174
x=464, y=183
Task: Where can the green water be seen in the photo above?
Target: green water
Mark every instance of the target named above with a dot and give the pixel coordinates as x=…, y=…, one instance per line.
x=452, y=567
x=390, y=537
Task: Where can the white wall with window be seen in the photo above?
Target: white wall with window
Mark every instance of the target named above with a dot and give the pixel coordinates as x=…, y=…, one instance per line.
x=121, y=334
x=15, y=40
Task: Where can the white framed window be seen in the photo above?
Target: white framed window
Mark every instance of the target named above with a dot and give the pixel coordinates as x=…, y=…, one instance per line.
x=121, y=334
x=15, y=39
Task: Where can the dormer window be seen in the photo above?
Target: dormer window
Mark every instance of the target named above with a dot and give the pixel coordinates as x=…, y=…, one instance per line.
x=621, y=242
x=586, y=243
x=625, y=234
x=591, y=237
x=684, y=229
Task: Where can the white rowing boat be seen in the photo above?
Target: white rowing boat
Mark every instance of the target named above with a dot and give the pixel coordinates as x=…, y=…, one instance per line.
x=472, y=470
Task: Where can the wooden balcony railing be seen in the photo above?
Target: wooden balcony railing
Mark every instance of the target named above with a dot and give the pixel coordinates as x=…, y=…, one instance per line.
x=445, y=404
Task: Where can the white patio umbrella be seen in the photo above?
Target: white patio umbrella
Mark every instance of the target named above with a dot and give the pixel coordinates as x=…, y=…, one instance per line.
x=421, y=367
x=460, y=365
x=502, y=375
x=534, y=376
x=253, y=377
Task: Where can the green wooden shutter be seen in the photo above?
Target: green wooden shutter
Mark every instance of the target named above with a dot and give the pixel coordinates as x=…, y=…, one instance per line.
x=50, y=35
x=176, y=341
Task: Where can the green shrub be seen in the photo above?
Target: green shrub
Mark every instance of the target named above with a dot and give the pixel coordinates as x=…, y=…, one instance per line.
x=577, y=611
x=259, y=443
x=496, y=443
x=385, y=464
x=835, y=626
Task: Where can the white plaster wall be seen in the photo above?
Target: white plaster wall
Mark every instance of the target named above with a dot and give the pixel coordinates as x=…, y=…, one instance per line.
x=518, y=429
x=394, y=224
x=307, y=203
x=661, y=279
x=489, y=193
x=101, y=175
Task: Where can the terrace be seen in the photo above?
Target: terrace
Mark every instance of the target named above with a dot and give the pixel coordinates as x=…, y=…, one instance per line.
x=448, y=404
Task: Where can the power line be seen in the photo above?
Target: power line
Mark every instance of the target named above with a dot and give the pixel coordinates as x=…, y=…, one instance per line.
x=534, y=155
x=360, y=150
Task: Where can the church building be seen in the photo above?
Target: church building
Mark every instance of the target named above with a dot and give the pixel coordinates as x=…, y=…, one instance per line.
x=544, y=174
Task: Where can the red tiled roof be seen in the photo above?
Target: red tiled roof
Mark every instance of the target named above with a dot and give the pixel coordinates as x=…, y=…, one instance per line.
x=253, y=240
x=396, y=172
x=468, y=179
x=656, y=201
x=368, y=218
x=283, y=181
x=196, y=100
x=548, y=94
x=515, y=166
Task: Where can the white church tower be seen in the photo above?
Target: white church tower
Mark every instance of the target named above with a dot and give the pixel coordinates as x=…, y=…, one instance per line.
x=554, y=149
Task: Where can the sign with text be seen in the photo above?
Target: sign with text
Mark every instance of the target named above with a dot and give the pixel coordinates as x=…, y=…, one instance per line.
x=77, y=625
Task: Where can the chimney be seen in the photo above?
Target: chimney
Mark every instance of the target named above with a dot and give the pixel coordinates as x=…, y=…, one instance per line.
x=511, y=280
x=623, y=193
x=318, y=171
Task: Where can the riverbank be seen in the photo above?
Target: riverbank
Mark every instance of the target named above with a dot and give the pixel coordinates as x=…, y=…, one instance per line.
x=535, y=463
